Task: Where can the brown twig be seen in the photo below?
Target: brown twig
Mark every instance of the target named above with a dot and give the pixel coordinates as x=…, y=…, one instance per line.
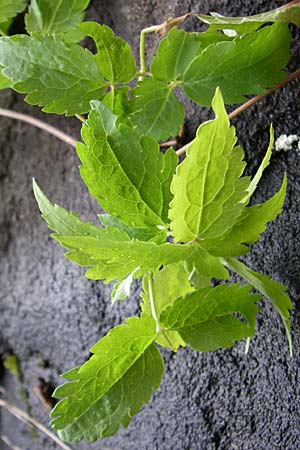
x=39, y=124
x=236, y=112
x=24, y=417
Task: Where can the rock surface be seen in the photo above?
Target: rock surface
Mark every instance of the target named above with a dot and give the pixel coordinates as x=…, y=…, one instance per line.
x=50, y=315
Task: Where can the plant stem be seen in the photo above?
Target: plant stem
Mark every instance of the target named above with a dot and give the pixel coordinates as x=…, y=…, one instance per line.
x=247, y=345
x=143, y=56
x=152, y=302
x=236, y=112
x=24, y=417
x=39, y=124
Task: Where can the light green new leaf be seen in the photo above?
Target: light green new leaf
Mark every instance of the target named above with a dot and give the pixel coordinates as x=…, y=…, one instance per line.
x=249, y=227
x=126, y=173
x=177, y=50
x=289, y=14
x=155, y=110
x=207, y=186
x=115, y=58
x=122, y=288
x=5, y=82
x=246, y=66
x=168, y=284
x=271, y=289
x=117, y=101
x=265, y=162
x=112, y=386
x=10, y=8
x=57, y=17
x=5, y=26
x=207, y=319
x=112, y=256
x=61, y=78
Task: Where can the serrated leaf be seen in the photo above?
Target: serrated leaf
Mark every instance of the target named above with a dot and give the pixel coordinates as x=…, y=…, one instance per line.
x=246, y=66
x=56, y=17
x=155, y=110
x=168, y=284
x=177, y=50
x=5, y=26
x=61, y=78
x=126, y=173
x=265, y=162
x=207, y=186
x=113, y=256
x=122, y=288
x=289, y=14
x=272, y=290
x=117, y=101
x=141, y=234
x=10, y=8
x=5, y=82
x=249, y=227
x=115, y=58
x=207, y=319
x=112, y=386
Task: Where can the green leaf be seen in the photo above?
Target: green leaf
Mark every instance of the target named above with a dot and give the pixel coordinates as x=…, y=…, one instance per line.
x=249, y=227
x=5, y=26
x=289, y=14
x=112, y=256
x=61, y=78
x=141, y=234
x=177, y=50
x=115, y=58
x=10, y=8
x=5, y=82
x=126, y=173
x=112, y=386
x=246, y=66
x=207, y=186
x=155, y=110
x=117, y=101
x=272, y=290
x=122, y=288
x=207, y=319
x=56, y=17
x=168, y=284
x=265, y=162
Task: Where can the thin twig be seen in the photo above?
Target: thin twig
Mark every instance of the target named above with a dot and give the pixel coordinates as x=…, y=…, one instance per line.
x=24, y=417
x=9, y=443
x=39, y=124
x=236, y=112
x=170, y=143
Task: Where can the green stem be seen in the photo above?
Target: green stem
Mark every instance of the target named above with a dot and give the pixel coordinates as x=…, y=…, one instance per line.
x=143, y=56
x=152, y=302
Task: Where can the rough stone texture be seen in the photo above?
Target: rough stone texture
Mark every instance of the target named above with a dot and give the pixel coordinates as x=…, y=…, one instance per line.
x=50, y=315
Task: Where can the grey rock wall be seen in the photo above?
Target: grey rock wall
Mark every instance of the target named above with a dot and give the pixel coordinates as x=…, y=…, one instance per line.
x=50, y=315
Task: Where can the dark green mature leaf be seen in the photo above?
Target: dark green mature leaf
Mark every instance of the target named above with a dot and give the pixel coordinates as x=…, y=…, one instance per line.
x=271, y=289
x=61, y=78
x=10, y=8
x=177, y=50
x=207, y=186
x=155, y=110
x=288, y=14
x=207, y=319
x=56, y=17
x=127, y=174
x=112, y=386
x=115, y=58
x=168, y=284
x=248, y=65
x=249, y=227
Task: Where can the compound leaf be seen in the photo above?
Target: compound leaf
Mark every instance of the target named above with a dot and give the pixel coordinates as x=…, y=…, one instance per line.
x=115, y=58
x=112, y=386
x=168, y=284
x=10, y=8
x=247, y=65
x=207, y=186
x=127, y=174
x=61, y=78
x=155, y=110
x=207, y=319
x=56, y=17
x=272, y=290
x=289, y=14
